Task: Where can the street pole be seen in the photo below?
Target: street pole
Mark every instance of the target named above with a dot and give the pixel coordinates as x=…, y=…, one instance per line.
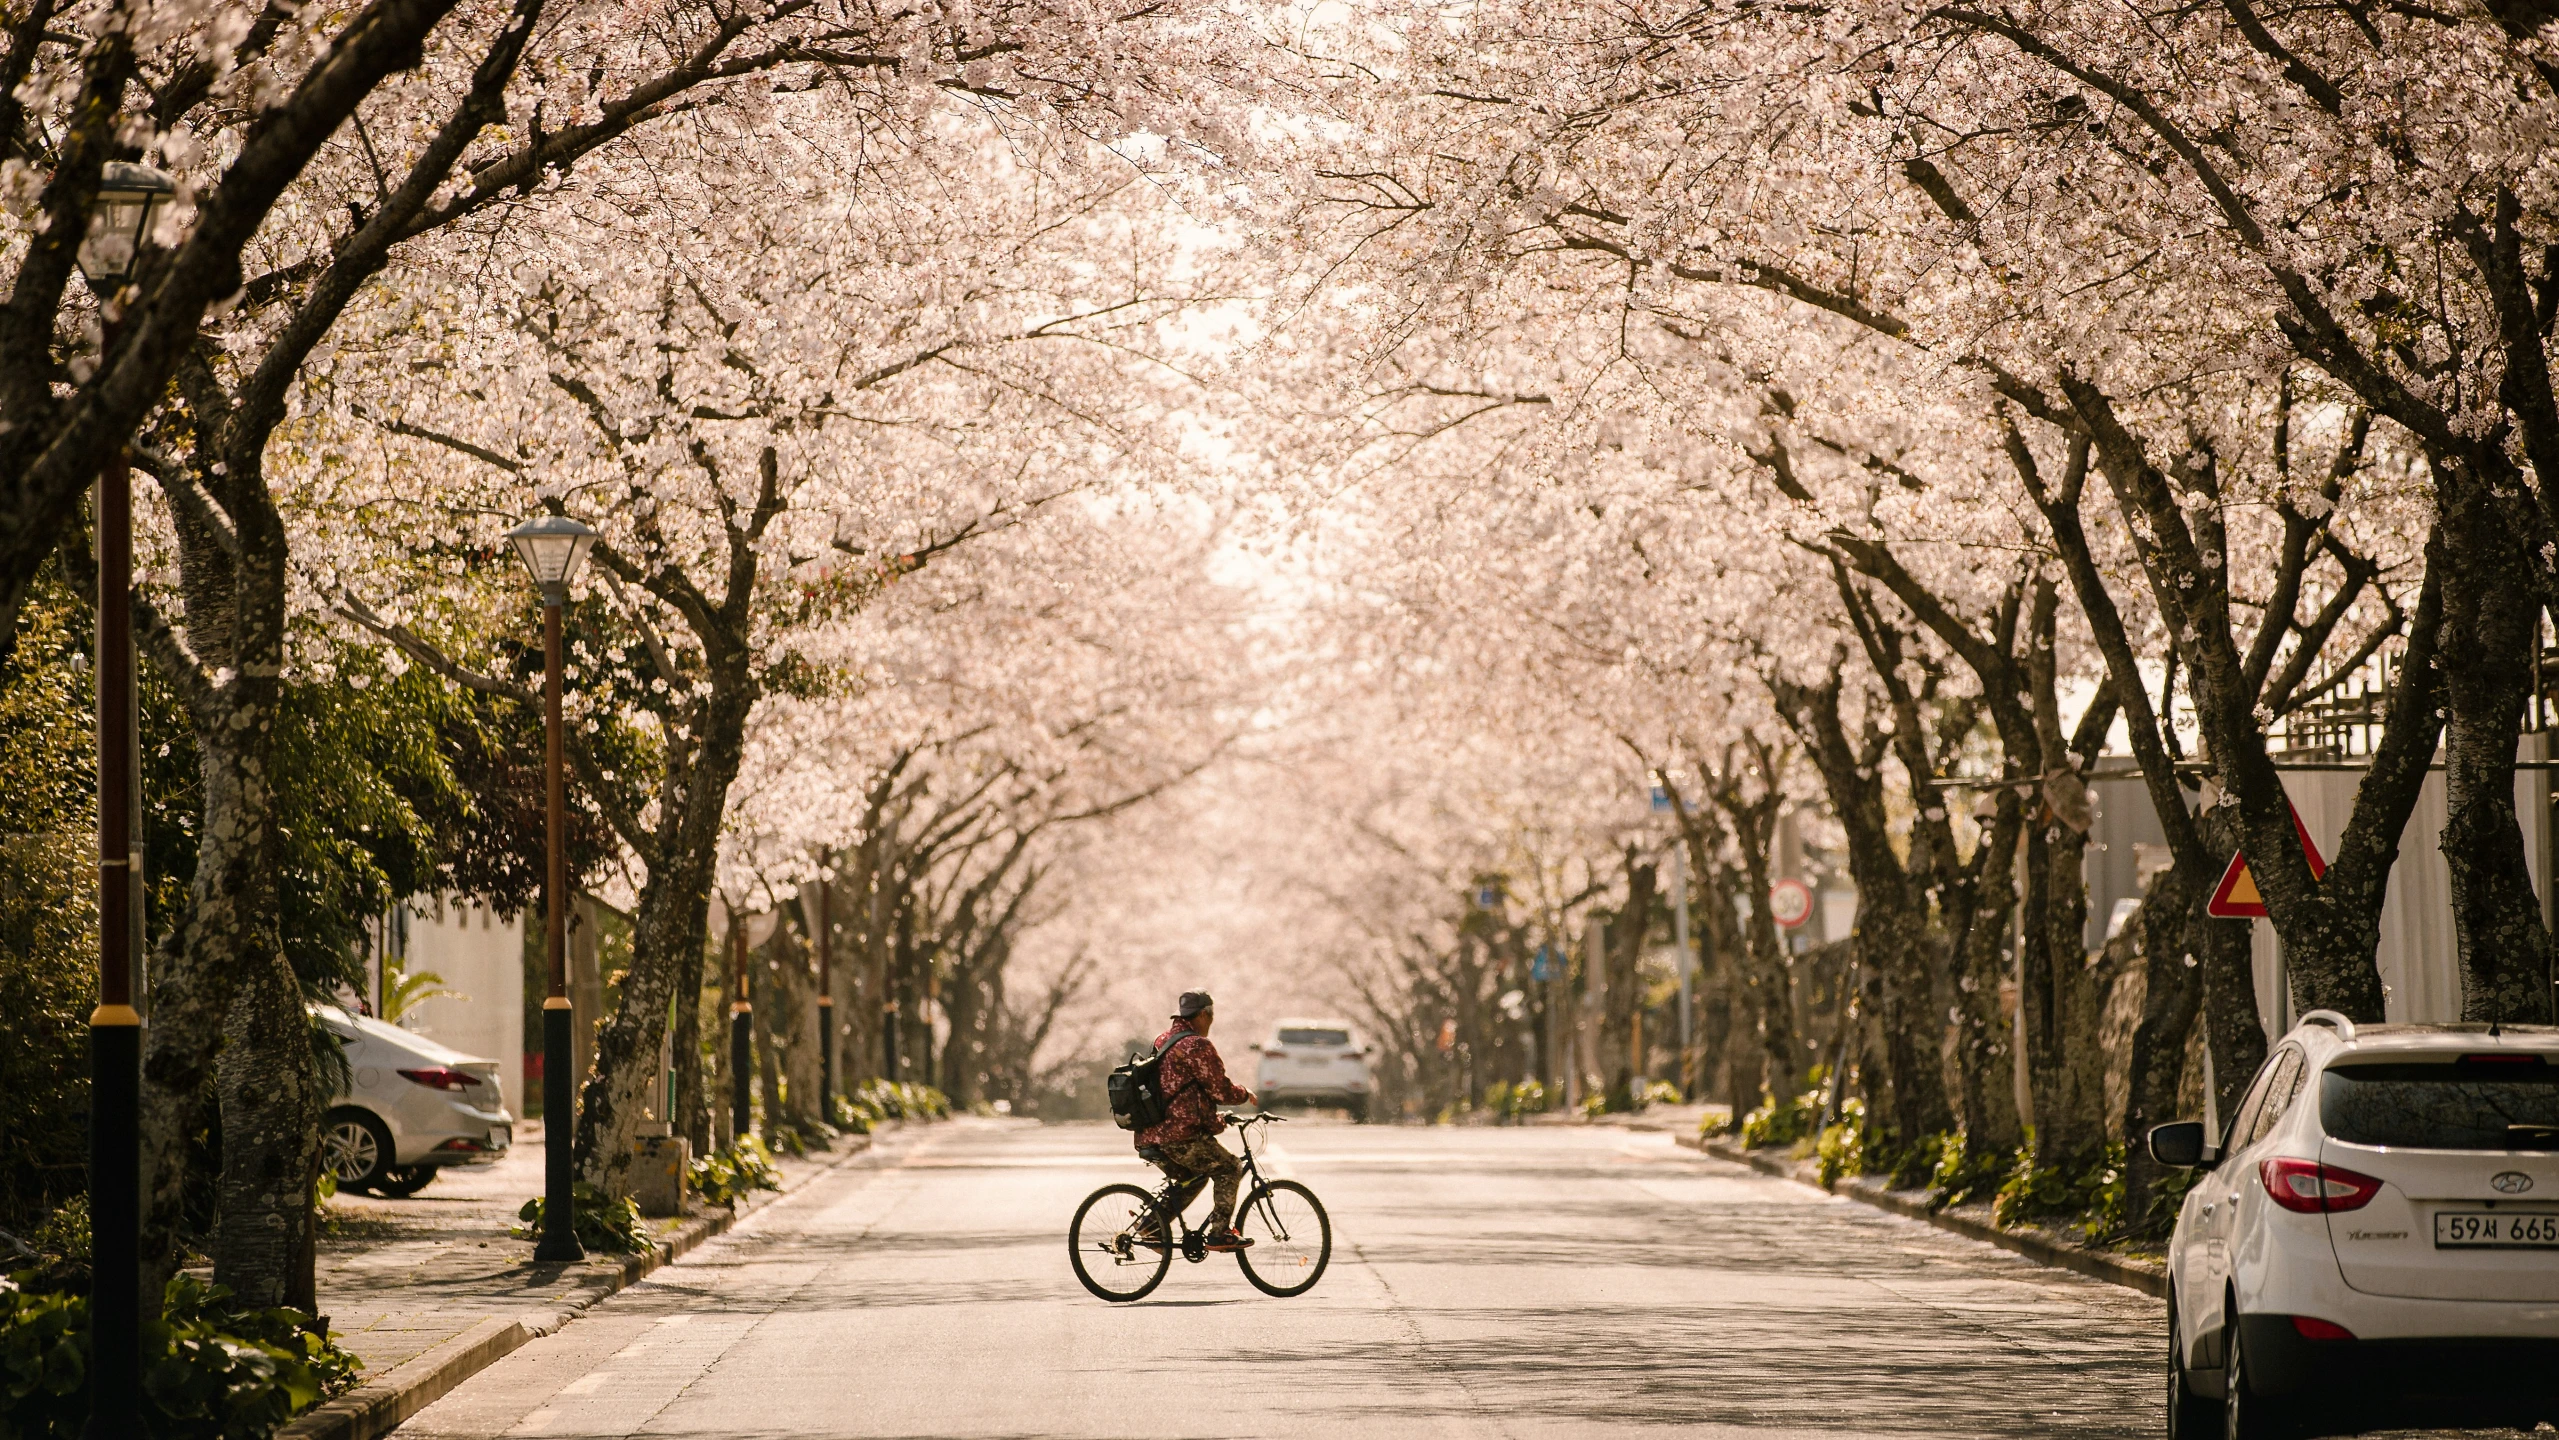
x=1687, y=969
x=825, y=991
x=115, y=1027
x=741, y=1041
x=559, y=1243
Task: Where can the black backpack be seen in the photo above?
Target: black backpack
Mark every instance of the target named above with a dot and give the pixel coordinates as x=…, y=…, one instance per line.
x=1138, y=1101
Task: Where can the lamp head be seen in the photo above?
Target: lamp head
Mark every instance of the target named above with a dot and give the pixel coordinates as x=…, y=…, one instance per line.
x=130, y=198
x=553, y=547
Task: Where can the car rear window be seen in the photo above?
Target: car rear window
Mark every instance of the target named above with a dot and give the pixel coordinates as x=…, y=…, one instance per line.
x=2464, y=1105
x=1315, y=1037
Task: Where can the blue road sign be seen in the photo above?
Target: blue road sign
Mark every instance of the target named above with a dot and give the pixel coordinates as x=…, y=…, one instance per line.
x=1661, y=800
x=1488, y=897
x=1546, y=964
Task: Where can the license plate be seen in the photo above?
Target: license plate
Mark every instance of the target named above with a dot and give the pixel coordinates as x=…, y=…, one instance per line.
x=501, y=1136
x=2504, y=1230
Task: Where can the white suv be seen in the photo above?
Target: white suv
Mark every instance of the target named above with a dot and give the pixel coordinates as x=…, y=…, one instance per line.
x=2378, y=1238
x=1315, y=1062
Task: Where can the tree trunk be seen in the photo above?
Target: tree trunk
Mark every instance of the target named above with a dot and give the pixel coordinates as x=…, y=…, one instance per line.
x=270, y=1143
x=1768, y=984
x=224, y=979
x=2063, y=1005
x=2491, y=620
x=2172, y=994
x=1980, y=904
x=670, y=926
x=1907, y=1089
x=692, y=1095
x=230, y=915
x=1625, y=946
x=768, y=1018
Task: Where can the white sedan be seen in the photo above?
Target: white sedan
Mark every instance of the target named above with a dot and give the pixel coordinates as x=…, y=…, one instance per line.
x=409, y=1107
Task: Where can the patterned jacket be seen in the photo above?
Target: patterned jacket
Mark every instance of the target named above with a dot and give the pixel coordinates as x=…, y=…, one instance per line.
x=1195, y=1084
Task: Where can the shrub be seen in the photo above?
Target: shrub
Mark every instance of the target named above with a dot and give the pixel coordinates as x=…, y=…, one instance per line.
x=1783, y=1122
x=602, y=1223
x=1528, y=1097
x=799, y=1137
x=1661, y=1092
x=1713, y=1123
x=211, y=1371
x=2167, y=1197
x=1594, y=1105
x=724, y=1175
x=1842, y=1146
x=2092, y=1196
x=1959, y=1174
x=899, y=1100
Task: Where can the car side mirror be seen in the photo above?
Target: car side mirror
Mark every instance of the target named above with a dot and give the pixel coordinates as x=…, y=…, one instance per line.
x=2180, y=1145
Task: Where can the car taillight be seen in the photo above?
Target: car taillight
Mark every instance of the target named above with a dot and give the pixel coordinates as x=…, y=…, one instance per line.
x=1274, y=1054
x=460, y=1146
x=2310, y=1327
x=2310, y=1188
x=441, y=1079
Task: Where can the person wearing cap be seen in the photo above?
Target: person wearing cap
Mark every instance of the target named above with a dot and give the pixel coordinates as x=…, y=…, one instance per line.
x=1193, y=1081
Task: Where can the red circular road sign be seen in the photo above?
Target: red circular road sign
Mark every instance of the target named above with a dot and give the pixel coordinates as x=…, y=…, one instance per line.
x=1790, y=903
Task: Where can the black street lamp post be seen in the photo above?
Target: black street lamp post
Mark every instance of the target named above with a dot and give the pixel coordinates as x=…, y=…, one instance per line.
x=553, y=547
x=129, y=200
x=825, y=989
x=741, y=1040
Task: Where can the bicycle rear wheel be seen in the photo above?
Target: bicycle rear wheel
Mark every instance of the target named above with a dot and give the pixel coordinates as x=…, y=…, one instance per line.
x=1292, y=1238
x=1107, y=1246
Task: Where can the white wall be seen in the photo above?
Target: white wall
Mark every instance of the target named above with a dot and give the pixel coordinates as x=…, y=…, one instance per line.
x=481, y=958
x=2416, y=956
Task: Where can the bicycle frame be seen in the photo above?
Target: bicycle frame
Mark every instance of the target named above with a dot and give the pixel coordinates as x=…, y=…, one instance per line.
x=1194, y=1242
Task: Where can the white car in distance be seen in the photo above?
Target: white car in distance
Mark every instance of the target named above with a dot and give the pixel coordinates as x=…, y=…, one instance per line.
x=410, y=1108
x=2376, y=1242
x=1315, y=1062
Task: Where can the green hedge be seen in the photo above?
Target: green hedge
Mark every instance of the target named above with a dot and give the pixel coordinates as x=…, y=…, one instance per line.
x=724, y=1175
x=210, y=1370
x=603, y=1224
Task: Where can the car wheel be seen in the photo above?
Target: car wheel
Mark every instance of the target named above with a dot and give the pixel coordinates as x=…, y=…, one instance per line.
x=355, y=1149
x=2190, y=1416
x=2245, y=1415
x=1359, y=1111
x=404, y=1181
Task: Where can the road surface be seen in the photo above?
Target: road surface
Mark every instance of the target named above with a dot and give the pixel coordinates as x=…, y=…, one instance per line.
x=1543, y=1281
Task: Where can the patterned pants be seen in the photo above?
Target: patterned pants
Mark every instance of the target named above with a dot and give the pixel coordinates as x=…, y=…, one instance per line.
x=1204, y=1159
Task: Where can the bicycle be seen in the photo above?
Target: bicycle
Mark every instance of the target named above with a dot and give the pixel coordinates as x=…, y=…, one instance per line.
x=1124, y=1236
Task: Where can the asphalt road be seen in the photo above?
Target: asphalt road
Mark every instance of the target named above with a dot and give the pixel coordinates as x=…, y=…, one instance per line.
x=1510, y=1282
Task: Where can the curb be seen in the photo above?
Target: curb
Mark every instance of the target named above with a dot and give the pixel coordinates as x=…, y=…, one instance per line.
x=2094, y=1264
x=376, y=1407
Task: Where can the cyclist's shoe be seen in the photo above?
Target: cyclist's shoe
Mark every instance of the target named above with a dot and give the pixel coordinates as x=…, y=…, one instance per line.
x=1224, y=1238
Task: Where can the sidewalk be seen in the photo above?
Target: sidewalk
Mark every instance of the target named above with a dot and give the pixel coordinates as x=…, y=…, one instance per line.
x=427, y=1290
x=2044, y=1244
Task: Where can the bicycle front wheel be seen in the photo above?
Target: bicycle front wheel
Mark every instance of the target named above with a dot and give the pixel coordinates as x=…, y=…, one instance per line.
x=1118, y=1244
x=1292, y=1238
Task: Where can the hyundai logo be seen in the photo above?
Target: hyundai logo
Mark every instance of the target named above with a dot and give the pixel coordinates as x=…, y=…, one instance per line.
x=2511, y=1182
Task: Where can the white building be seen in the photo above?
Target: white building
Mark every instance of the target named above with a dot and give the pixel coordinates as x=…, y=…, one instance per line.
x=479, y=956
x=2416, y=955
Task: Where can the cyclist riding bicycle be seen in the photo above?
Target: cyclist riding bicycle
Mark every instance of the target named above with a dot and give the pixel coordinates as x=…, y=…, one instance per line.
x=1193, y=1082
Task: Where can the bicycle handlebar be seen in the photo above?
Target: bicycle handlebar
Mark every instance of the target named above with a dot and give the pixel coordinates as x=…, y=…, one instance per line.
x=1232, y=1117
